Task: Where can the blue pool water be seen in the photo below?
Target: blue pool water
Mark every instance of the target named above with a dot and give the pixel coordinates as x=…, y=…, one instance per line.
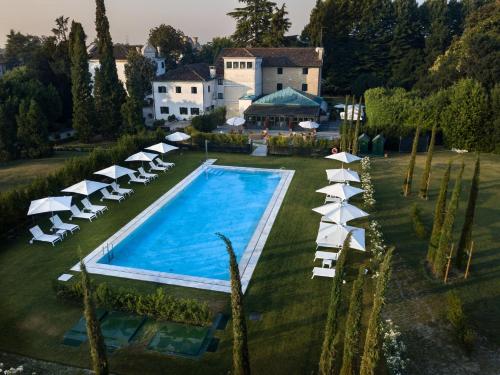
x=180, y=237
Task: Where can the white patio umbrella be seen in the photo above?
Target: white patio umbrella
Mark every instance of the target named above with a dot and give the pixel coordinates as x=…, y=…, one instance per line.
x=177, y=137
x=343, y=157
x=235, y=121
x=142, y=156
x=85, y=187
x=339, y=213
x=342, y=175
x=334, y=235
x=342, y=191
x=114, y=172
x=162, y=148
x=308, y=124
x=50, y=204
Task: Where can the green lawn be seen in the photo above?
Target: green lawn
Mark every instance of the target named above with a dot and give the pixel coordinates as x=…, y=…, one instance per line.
x=287, y=340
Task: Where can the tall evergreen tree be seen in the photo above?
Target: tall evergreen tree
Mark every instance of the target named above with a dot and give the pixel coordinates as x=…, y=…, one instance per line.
x=94, y=334
x=438, y=34
x=424, y=183
x=343, y=128
x=466, y=234
x=109, y=94
x=356, y=129
x=353, y=327
x=32, y=131
x=279, y=26
x=241, y=360
x=329, y=353
x=7, y=134
x=313, y=31
x=81, y=90
x=446, y=237
x=373, y=346
x=411, y=166
x=253, y=22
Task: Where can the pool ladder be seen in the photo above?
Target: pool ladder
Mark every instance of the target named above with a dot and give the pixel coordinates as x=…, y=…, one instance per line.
x=107, y=250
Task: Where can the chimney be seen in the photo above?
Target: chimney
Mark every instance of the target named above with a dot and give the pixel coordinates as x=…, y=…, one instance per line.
x=195, y=40
x=212, y=71
x=320, y=51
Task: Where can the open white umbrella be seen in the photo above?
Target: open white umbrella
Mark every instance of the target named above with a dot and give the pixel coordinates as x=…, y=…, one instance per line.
x=162, y=148
x=85, y=187
x=343, y=157
x=114, y=172
x=342, y=191
x=235, y=121
x=342, y=175
x=142, y=156
x=339, y=213
x=334, y=235
x=309, y=125
x=177, y=137
x=50, y=204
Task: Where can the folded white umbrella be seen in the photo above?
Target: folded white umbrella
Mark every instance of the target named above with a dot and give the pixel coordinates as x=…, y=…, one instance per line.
x=114, y=172
x=177, y=137
x=343, y=157
x=85, y=187
x=50, y=204
x=342, y=191
x=342, y=175
x=235, y=121
x=162, y=148
x=309, y=125
x=142, y=156
x=340, y=213
x=334, y=235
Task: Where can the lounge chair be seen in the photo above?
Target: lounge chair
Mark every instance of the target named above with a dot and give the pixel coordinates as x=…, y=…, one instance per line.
x=38, y=235
x=154, y=167
x=112, y=197
x=58, y=224
x=76, y=213
x=323, y=272
x=165, y=164
x=327, y=257
x=139, y=180
x=144, y=174
x=93, y=208
x=119, y=190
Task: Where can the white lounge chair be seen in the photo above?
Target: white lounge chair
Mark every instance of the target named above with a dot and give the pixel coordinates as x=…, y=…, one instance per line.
x=327, y=257
x=154, y=167
x=76, y=213
x=94, y=208
x=38, y=235
x=323, y=272
x=139, y=180
x=112, y=197
x=58, y=224
x=144, y=174
x=119, y=190
x=165, y=164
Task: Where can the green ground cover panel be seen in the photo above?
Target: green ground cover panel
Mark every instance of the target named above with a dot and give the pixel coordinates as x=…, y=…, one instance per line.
x=180, y=339
x=120, y=328
x=78, y=333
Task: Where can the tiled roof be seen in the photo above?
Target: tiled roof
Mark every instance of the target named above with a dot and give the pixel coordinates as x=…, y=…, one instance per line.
x=120, y=51
x=191, y=72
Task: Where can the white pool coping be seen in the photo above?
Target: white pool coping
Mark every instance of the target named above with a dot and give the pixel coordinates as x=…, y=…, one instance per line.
x=247, y=263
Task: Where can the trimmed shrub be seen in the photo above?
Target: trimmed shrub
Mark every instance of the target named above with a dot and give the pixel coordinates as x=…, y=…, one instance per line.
x=209, y=121
x=300, y=145
x=418, y=225
x=457, y=318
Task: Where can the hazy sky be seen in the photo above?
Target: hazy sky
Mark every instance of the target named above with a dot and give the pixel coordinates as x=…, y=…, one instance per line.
x=131, y=20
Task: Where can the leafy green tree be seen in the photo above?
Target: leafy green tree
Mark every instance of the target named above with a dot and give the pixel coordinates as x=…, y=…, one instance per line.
x=438, y=35
x=32, y=131
x=211, y=50
x=353, y=328
x=424, y=183
x=170, y=43
x=21, y=49
x=8, y=138
x=466, y=234
x=81, y=90
x=96, y=340
x=279, y=26
x=411, y=165
x=372, y=348
x=313, y=31
x=241, y=360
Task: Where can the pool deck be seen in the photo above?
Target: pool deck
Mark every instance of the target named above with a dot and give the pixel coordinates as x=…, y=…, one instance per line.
x=247, y=263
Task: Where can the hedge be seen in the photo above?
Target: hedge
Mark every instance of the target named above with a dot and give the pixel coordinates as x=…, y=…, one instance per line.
x=210, y=120
x=300, y=145
x=223, y=142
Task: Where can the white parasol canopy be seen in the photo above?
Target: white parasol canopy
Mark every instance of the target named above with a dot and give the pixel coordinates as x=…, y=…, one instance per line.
x=114, y=172
x=50, y=204
x=142, y=156
x=342, y=191
x=235, y=121
x=309, y=125
x=343, y=157
x=177, y=137
x=85, y=187
x=162, y=148
x=342, y=175
x=340, y=213
x=334, y=235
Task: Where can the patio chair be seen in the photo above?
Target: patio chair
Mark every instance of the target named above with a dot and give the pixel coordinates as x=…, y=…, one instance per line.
x=111, y=197
x=38, y=235
x=154, y=167
x=58, y=224
x=76, y=213
x=93, y=208
x=139, y=180
x=119, y=190
x=323, y=272
x=326, y=257
x=165, y=164
x=144, y=174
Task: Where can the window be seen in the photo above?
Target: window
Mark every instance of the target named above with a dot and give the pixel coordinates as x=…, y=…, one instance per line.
x=220, y=95
x=194, y=90
x=208, y=88
x=183, y=110
x=279, y=86
x=236, y=65
x=195, y=111
x=305, y=71
x=280, y=70
x=249, y=65
x=242, y=65
x=162, y=89
x=304, y=87
x=220, y=82
x=229, y=65
x=178, y=89
x=164, y=110
x=162, y=65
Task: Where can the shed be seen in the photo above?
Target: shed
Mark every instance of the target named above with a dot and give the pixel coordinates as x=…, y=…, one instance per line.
x=363, y=144
x=378, y=144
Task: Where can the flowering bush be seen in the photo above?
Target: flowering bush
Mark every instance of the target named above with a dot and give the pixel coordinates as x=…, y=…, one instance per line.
x=376, y=241
x=394, y=348
x=11, y=371
x=366, y=183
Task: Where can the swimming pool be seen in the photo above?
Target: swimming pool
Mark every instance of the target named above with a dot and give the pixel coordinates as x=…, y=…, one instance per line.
x=173, y=241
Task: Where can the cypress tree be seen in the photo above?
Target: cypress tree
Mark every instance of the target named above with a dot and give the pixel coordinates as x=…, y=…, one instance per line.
x=96, y=340
x=356, y=130
x=466, y=234
x=241, y=360
x=108, y=91
x=351, y=126
x=32, y=133
x=424, y=183
x=329, y=353
x=411, y=166
x=446, y=237
x=439, y=212
x=353, y=327
x=372, y=349
x=343, y=128
x=81, y=90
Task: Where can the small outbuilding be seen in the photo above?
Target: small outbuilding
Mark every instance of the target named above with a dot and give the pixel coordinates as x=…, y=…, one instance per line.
x=378, y=144
x=363, y=144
